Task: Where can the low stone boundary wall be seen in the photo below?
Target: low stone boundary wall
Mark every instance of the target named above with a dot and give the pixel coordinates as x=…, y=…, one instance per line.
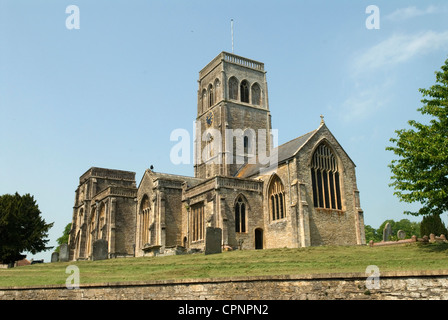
x=349, y=286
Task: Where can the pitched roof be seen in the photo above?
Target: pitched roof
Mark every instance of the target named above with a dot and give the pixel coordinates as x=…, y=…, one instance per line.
x=285, y=151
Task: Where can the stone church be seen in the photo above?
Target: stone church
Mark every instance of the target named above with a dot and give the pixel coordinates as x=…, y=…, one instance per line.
x=306, y=195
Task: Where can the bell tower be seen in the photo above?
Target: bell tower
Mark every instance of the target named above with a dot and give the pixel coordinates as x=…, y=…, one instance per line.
x=233, y=120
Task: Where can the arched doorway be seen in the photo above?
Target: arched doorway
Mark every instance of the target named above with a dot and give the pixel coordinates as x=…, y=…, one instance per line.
x=258, y=238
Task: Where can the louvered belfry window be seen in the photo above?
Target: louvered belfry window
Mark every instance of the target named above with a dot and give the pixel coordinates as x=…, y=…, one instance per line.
x=325, y=179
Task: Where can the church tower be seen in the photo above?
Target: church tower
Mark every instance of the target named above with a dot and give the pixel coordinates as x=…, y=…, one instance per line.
x=233, y=123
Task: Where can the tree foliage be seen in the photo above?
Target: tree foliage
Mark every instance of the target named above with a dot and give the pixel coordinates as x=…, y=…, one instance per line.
x=64, y=238
x=432, y=224
x=410, y=228
x=420, y=174
x=21, y=227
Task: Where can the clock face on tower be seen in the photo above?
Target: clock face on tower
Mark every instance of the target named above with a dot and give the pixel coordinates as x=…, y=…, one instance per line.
x=209, y=118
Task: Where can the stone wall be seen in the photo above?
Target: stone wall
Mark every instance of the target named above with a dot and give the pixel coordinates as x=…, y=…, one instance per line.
x=431, y=285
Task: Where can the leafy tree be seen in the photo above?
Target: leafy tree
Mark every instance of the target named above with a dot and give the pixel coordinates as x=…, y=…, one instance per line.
x=372, y=234
x=410, y=228
x=64, y=238
x=432, y=224
x=420, y=174
x=21, y=227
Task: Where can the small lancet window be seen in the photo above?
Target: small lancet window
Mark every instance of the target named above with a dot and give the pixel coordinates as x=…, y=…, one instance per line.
x=244, y=89
x=240, y=215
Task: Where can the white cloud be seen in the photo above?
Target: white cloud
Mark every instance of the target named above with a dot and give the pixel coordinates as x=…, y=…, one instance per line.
x=367, y=101
x=398, y=48
x=410, y=12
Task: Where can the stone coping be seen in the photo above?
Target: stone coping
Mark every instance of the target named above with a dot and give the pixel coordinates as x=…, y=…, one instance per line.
x=318, y=276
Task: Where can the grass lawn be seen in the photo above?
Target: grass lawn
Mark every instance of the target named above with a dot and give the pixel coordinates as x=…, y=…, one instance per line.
x=325, y=259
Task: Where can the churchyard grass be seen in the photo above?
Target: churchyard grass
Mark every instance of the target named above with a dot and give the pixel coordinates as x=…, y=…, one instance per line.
x=317, y=260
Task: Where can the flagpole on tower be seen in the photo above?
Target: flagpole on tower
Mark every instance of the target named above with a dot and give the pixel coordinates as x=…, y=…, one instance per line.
x=231, y=28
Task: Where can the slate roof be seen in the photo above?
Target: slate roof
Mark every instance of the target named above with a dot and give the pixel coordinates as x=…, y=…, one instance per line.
x=285, y=151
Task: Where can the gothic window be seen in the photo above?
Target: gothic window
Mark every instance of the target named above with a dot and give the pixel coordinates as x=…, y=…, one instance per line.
x=91, y=230
x=197, y=222
x=204, y=100
x=144, y=220
x=249, y=144
x=233, y=88
x=211, y=97
x=218, y=95
x=244, y=89
x=77, y=244
x=256, y=94
x=102, y=222
x=240, y=215
x=80, y=218
x=325, y=179
x=276, y=194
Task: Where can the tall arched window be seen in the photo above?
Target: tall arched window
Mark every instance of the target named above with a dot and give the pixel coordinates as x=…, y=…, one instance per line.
x=80, y=218
x=204, y=100
x=325, y=179
x=240, y=215
x=102, y=222
x=197, y=222
x=211, y=96
x=218, y=94
x=249, y=144
x=91, y=231
x=277, y=203
x=244, y=89
x=144, y=220
x=233, y=88
x=256, y=94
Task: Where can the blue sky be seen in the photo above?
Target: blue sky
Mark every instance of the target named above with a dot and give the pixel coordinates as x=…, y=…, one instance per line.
x=110, y=93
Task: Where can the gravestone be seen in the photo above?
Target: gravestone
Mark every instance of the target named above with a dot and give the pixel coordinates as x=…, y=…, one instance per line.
x=213, y=240
x=64, y=252
x=432, y=237
x=387, y=231
x=401, y=234
x=99, y=251
x=55, y=257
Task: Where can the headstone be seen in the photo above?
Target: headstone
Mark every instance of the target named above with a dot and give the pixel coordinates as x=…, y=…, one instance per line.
x=213, y=240
x=432, y=237
x=387, y=231
x=401, y=234
x=99, y=250
x=63, y=252
x=55, y=257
